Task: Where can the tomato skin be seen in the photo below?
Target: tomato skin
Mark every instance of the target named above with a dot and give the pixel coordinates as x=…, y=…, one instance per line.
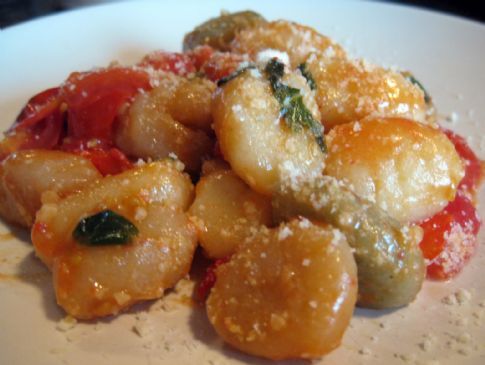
x=38, y=125
x=450, y=238
x=179, y=63
x=94, y=98
x=473, y=166
x=38, y=107
x=214, y=64
x=200, y=55
x=106, y=158
x=205, y=286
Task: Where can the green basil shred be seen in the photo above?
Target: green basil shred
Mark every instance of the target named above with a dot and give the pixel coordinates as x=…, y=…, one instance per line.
x=104, y=228
x=235, y=74
x=410, y=77
x=292, y=108
x=308, y=76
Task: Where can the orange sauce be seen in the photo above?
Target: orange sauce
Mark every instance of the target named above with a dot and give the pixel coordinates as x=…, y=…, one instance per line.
x=25, y=277
x=6, y=236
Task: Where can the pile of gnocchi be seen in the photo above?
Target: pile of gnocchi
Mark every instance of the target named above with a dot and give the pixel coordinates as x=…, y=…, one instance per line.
x=312, y=181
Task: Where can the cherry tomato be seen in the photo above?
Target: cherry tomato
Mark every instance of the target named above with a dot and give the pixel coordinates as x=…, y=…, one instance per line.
x=178, y=63
x=106, y=158
x=450, y=238
x=473, y=166
x=214, y=64
x=205, y=286
x=39, y=124
x=94, y=99
x=39, y=107
x=201, y=55
x=221, y=65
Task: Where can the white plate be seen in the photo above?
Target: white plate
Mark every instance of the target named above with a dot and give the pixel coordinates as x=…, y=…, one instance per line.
x=445, y=53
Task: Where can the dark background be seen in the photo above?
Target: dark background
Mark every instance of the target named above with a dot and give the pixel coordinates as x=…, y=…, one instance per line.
x=15, y=11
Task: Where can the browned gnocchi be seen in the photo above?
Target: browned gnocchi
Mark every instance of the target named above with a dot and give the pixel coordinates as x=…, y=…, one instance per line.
x=26, y=175
x=298, y=41
x=93, y=280
x=348, y=90
x=408, y=169
x=288, y=293
x=169, y=119
x=255, y=139
x=225, y=212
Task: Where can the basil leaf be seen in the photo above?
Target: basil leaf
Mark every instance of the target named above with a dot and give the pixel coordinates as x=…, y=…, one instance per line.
x=104, y=228
x=308, y=76
x=235, y=74
x=410, y=77
x=296, y=114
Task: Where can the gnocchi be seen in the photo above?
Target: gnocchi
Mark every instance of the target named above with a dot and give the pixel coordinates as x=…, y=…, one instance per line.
x=161, y=122
x=225, y=211
x=298, y=41
x=295, y=284
x=408, y=169
x=348, y=91
x=254, y=138
x=26, y=175
x=93, y=281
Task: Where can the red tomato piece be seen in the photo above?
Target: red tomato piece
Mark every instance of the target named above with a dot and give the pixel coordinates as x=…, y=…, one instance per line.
x=473, y=166
x=39, y=124
x=450, y=238
x=39, y=107
x=106, y=158
x=205, y=286
x=221, y=64
x=200, y=55
x=214, y=64
x=178, y=63
x=95, y=98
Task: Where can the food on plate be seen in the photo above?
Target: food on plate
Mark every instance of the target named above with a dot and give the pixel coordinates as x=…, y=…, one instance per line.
x=257, y=141
x=220, y=31
x=411, y=171
x=288, y=293
x=26, y=175
x=321, y=183
x=226, y=211
x=121, y=239
x=160, y=121
x=350, y=90
x=296, y=40
x=390, y=264
x=450, y=236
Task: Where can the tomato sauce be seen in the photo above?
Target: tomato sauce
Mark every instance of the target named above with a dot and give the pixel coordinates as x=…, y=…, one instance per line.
x=450, y=236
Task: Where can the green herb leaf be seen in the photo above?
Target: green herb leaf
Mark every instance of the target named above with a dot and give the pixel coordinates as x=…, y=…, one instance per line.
x=308, y=76
x=104, y=228
x=410, y=77
x=296, y=114
x=235, y=74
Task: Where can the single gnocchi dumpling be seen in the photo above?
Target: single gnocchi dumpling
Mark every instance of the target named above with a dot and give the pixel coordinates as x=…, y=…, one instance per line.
x=289, y=293
x=169, y=119
x=408, y=169
x=220, y=31
x=226, y=211
x=26, y=175
x=120, y=240
x=258, y=142
x=298, y=41
x=350, y=90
